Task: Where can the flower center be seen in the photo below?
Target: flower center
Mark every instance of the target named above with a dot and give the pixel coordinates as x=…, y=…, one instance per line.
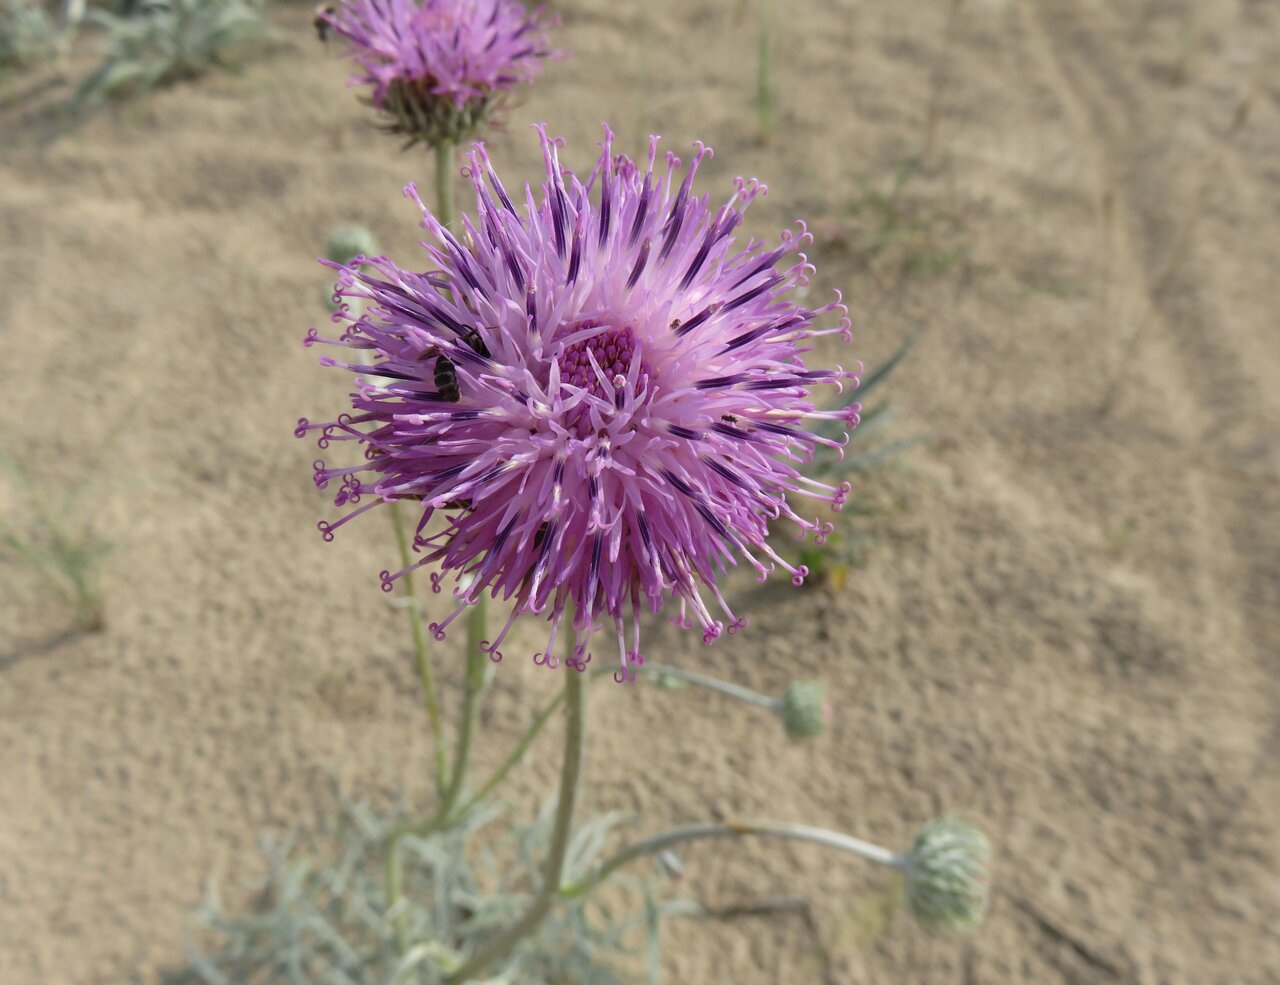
x=613, y=350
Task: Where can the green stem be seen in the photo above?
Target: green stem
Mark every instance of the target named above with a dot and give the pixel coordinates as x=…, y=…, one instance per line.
x=444, y=181
x=476, y=663
x=575, y=692
x=570, y=773
x=395, y=895
x=477, y=625
x=713, y=684
x=736, y=829
x=422, y=660
x=424, y=828
x=421, y=655
x=501, y=773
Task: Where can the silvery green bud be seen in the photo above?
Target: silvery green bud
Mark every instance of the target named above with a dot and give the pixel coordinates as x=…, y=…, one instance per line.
x=805, y=711
x=347, y=242
x=948, y=876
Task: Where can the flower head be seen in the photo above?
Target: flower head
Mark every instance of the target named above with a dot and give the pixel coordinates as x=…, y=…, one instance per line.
x=948, y=876
x=805, y=711
x=604, y=394
x=438, y=67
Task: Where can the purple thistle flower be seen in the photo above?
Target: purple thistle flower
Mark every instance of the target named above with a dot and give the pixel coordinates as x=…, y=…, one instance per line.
x=604, y=394
x=438, y=67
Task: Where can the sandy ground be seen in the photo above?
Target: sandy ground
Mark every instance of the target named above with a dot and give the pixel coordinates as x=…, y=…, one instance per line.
x=1069, y=625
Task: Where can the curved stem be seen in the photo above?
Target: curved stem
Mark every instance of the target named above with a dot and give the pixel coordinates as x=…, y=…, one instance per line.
x=575, y=730
x=724, y=687
x=736, y=829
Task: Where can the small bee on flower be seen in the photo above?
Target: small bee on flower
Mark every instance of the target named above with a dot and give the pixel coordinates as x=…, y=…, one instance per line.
x=446, y=380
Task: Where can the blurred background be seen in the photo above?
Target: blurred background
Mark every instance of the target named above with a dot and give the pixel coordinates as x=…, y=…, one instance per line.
x=1057, y=610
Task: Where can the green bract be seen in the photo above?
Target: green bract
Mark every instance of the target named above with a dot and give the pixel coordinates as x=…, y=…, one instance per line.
x=948, y=879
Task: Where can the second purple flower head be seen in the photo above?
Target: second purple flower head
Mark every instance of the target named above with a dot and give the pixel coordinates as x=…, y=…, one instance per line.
x=439, y=68
x=603, y=392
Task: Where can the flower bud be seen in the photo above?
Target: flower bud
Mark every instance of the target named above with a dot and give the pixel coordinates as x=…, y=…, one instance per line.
x=948, y=878
x=805, y=710
x=347, y=242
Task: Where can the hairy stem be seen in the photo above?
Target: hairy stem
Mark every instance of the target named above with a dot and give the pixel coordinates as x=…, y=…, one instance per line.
x=575, y=689
x=736, y=829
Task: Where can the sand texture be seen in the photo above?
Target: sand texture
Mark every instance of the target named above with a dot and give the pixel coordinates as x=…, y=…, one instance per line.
x=1068, y=625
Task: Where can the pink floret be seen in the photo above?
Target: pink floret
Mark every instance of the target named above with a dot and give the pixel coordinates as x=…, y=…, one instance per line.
x=459, y=50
